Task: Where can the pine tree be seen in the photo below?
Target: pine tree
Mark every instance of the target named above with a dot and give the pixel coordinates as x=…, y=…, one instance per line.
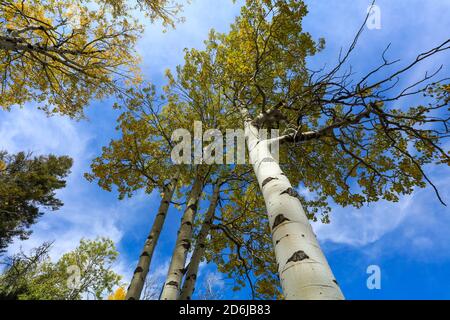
x=27, y=187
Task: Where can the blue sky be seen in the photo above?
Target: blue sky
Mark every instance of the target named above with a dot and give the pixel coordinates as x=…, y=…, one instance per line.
x=409, y=240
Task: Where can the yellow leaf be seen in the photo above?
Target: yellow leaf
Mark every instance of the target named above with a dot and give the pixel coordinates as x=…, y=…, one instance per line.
x=119, y=294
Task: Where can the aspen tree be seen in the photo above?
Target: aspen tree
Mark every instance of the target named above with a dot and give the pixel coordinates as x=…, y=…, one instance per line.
x=200, y=247
x=140, y=273
x=172, y=286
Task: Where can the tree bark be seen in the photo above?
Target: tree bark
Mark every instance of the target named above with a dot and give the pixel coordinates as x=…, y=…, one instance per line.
x=302, y=266
x=199, y=251
x=143, y=266
x=171, y=289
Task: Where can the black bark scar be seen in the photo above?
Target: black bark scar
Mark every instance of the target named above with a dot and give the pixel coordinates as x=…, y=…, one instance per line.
x=192, y=277
x=172, y=283
x=186, y=244
x=138, y=269
x=279, y=219
x=266, y=181
x=298, y=256
x=291, y=192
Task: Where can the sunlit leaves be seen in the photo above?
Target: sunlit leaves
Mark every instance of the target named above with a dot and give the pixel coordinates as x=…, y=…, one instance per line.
x=119, y=294
x=84, y=273
x=62, y=53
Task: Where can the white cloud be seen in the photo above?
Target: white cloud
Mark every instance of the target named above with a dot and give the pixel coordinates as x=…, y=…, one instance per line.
x=30, y=129
x=417, y=225
x=359, y=227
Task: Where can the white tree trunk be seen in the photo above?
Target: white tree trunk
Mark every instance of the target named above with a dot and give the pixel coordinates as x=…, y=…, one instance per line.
x=199, y=251
x=303, y=268
x=141, y=271
x=172, y=285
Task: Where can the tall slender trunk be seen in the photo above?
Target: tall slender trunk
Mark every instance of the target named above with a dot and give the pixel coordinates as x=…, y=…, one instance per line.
x=171, y=288
x=199, y=251
x=143, y=266
x=302, y=266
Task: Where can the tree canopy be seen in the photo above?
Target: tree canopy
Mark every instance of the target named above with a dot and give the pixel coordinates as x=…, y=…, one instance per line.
x=62, y=53
x=84, y=273
x=342, y=139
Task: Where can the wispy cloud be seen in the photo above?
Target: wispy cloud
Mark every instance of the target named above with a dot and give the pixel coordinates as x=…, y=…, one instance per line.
x=415, y=225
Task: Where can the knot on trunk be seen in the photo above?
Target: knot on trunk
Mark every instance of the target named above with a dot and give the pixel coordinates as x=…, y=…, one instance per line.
x=138, y=269
x=266, y=181
x=291, y=192
x=172, y=283
x=193, y=207
x=186, y=244
x=279, y=219
x=188, y=223
x=298, y=256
